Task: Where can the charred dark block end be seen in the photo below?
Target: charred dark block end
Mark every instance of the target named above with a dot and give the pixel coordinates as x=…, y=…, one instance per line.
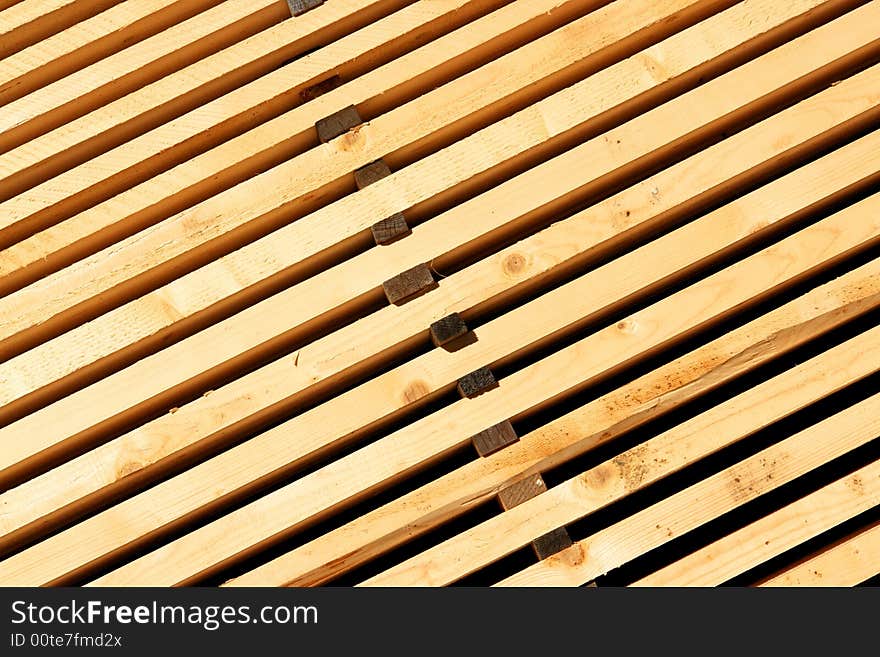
x=476, y=383
x=495, y=438
x=551, y=543
x=298, y=7
x=409, y=284
x=330, y=127
x=371, y=173
x=447, y=329
x=390, y=230
x=521, y=491
x=320, y=88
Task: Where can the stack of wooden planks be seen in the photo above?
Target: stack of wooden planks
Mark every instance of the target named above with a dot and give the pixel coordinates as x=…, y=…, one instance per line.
x=430, y=292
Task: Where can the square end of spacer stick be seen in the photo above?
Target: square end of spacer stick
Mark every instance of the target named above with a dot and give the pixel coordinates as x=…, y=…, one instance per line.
x=299, y=7
x=409, y=284
x=330, y=127
x=371, y=173
x=448, y=329
x=551, y=543
x=390, y=229
x=495, y=438
x=476, y=383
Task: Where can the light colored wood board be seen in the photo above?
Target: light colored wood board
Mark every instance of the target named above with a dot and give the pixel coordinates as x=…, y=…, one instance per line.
x=261, y=317
x=25, y=23
x=200, y=82
x=149, y=317
x=663, y=455
x=735, y=224
x=849, y=563
x=186, y=42
x=137, y=207
x=598, y=422
x=772, y=535
x=300, y=184
x=135, y=161
x=417, y=445
x=89, y=41
x=712, y=497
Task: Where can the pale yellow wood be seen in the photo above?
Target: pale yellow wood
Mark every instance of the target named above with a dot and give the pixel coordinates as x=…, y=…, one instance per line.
x=600, y=421
x=51, y=200
x=772, y=535
x=294, y=184
x=145, y=318
x=712, y=497
x=419, y=444
x=343, y=281
x=640, y=466
x=230, y=67
x=672, y=255
x=73, y=96
x=852, y=562
x=89, y=41
x=26, y=22
x=118, y=169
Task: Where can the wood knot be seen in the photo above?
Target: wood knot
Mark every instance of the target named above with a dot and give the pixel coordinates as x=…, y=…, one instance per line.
x=415, y=391
x=127, y=468
x=627, y=326
x=514, y=264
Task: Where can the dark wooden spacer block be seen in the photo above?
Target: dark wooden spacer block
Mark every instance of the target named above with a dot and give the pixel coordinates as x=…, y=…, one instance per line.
x=409, y=284
x=330, y=127
x=447, y=329
x=371, y=173
x=320, y=88
x=476, y=383
x=551, y=543
x=495, y=438
x=298, y=7
x=521, y=491
x=390, y=230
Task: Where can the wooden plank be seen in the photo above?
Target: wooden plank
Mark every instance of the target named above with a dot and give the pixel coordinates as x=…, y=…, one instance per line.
x=772, y=535
x=640, y=466
x=733, y=225
x=89, y=41
x=173, y=143
x=598, y=422
x=146, y=320
x=140, y=64
x=421, y=443
x=203, y=81
x=712, y=497
x=849, y=563
x=25, y=23
x=270, y=314
x=423, y=124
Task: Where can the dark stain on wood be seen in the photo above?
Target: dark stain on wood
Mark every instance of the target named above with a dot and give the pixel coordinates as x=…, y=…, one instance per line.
x=320, y=88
